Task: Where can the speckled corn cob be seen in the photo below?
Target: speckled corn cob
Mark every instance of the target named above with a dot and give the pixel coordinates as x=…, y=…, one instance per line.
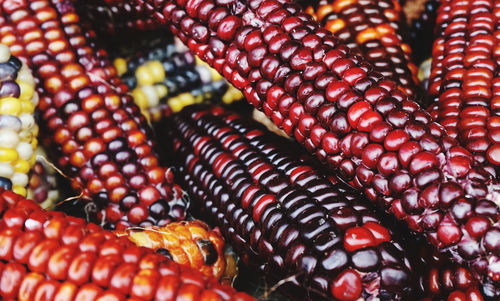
x=189, y=243
x=18, y=129
x=282, y=214
x=94, y=131
x=164, y=80
x=465, y=78
x=422, y=31
x=359, y=124
x=373, y=28
x=46, y=255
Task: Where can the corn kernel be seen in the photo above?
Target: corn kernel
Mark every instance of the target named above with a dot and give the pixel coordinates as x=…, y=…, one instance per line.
x=157, y=71
x=10, y=106
x=144, y=76
x=19, y=190
x=27, y=91
x=21, y=166
x=120, y=65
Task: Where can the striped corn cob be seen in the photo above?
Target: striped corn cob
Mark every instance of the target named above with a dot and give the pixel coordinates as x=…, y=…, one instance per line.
x=189, y=243
x=46, y=255
x=359, y=124
x=373, y=28
x=18, y=129
x=422, y=31
x=164, y=79
x=42, y=186
x=94, y=131
x=465, y=78
x=282, y=214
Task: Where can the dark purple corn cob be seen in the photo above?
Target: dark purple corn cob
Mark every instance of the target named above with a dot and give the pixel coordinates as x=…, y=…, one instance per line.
x=465, y=75
x=373, y=28
x=281, y=214
x=422, y=31
x=93, y=129
x=359, y=124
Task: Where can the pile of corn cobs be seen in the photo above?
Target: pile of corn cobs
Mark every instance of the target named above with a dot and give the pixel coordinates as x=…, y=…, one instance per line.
x=124, y=122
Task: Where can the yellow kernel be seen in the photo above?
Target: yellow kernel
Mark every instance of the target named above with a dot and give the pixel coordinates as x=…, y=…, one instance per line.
x=340, y=5
x=215, y=75
x=366, y=35
x=186, y=99
x=120, y=65
x=335, y=25
x=8, y=154
x=32, y=160
x=161, y=90
x=175, y=104
x=27, y=107
x=21, y=166
x=144, y=76
x=140, y=98
x=323, y=11
x=157, y=71
x=27, y=91
x=19, y=190
x=10, y=106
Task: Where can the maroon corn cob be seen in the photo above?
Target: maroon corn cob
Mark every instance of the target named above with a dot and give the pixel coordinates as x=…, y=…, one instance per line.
x=283, y=215
x=373, y=28
x=95, y=131
x=46, y=255
x=352, y=119
x=465, y=76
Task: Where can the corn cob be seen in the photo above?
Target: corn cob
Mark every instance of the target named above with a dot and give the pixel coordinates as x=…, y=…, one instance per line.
x=373, y=28
x=42, y=186
x=18, y=129
x=95, y=132
x=422, y=31
x=281, y=213
x=46, y=255
x=352, y=119
x=189, y=243
x=163, y=80
x=465, y=75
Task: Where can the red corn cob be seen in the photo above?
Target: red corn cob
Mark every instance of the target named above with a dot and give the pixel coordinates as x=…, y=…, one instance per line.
x=352, y=119
x=189, y=243
x=373, y=28
x=465, y=78
x=95, y=131
x=46, y=255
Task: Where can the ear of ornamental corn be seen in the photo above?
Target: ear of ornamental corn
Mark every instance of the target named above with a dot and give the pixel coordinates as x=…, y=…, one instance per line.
x=95, y=132
x=359, y=124
x=164, y=79
x=189, y=243
x=373, y=28
x=465, y=79
x=285, y=216
x=18, y=129
x=46, y=255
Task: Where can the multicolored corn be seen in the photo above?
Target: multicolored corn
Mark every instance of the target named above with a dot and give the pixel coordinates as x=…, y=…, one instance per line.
x=373, y=28
x=355, y=121
x=18, y=129
x=283, y=215
x=96, y=134
x=42, y=186
x=422, y=31
x=46, y=255
x=165, y=79
x=189, y=243
x=465, y=78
